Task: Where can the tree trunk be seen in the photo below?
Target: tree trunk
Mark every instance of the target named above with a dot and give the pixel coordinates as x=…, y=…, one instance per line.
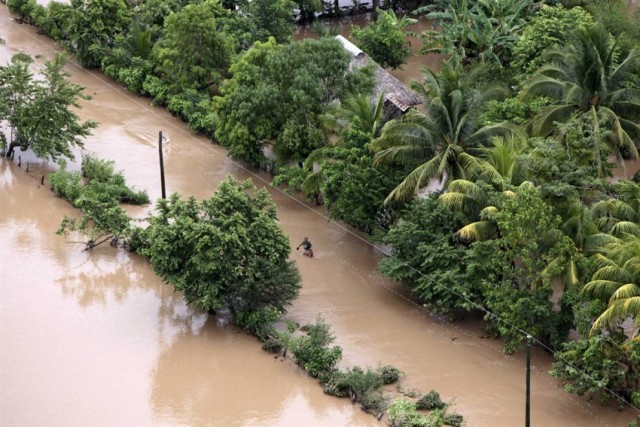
x=12, y=146
x=376, y=5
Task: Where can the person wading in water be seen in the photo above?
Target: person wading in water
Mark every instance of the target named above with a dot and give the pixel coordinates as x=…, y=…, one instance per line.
x=306, y=245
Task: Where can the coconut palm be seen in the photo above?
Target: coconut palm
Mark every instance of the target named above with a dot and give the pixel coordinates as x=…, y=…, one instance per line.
x=618, y=279
x=591, y=86
x=369, y=113
x=440, y=141
x=357, y=112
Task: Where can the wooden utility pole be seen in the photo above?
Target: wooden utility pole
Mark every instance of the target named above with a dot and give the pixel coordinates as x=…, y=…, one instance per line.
x=164, y=193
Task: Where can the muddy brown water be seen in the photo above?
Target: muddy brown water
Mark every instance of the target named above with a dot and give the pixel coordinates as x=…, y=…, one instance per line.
x=412, y=70
x=95, y=338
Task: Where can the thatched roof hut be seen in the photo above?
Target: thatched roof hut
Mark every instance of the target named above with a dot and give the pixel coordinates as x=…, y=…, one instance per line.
x=398, y=98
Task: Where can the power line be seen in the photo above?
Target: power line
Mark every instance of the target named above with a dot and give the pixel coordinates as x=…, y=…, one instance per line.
x=344, y=228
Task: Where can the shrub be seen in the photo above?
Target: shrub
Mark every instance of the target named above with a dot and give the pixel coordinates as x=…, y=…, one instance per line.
x=389, y=374
x=260, y=323
x=313, y=351
x=431, y=401
x=548, y=28
x=402, y=413
x=67, y=185
x=100, y=174
x=453, y=420
x=374, y=402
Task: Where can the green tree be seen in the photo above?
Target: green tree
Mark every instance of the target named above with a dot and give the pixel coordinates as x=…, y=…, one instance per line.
x=438, y=142
x=592, y=89
x=351, y=186
x=519, y=288
x=427, y=256
x=609, y=363
x=93, y=27
x=270, y=18
x=56, y=21
x=226, y=251
x=129, y=61
x=193, y=52
x=484, y=30
x=276, y=95
x=40, y=111
x=385, y=40
x=548, y=28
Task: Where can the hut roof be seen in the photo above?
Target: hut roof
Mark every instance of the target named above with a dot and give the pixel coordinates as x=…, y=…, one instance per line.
x=395, y=92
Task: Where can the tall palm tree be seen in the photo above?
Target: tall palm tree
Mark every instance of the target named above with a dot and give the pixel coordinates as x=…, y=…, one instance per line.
x=617, y=278
x=440, y=141
x=591, y=86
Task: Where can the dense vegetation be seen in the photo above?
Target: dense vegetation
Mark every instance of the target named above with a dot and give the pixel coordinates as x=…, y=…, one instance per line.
x=39, y=111
x=520, y=131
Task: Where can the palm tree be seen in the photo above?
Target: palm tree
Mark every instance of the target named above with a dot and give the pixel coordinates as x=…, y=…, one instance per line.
x=592, y=87
x=369, y=113
x=357, y=112
x=440, y=141
x=617, y=278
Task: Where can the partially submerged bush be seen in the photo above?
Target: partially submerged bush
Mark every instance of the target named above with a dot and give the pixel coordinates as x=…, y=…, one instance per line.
x=313, y=351
x=431, y=401
x=403, y=413
x=389, y=374
x=453, y=419
x=102, y=171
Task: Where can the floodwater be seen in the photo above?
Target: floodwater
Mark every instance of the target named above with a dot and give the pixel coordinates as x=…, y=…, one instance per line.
x=412, y=70
x=95, y=338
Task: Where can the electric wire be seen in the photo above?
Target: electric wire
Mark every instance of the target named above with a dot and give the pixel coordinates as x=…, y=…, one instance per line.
x=389, y=254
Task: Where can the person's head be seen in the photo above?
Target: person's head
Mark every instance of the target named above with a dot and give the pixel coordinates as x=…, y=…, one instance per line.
x=306, y=238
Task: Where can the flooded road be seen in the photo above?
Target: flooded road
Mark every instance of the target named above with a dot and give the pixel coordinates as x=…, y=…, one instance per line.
x=97, y=339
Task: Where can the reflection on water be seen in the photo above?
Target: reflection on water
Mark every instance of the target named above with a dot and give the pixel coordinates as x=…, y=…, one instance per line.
x=95, y=338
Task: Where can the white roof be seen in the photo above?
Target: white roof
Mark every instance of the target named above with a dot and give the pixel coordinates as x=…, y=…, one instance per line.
x=350, y=47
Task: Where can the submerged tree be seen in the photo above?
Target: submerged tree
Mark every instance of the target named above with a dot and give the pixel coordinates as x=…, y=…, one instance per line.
x=226, y=251
x=39, y=112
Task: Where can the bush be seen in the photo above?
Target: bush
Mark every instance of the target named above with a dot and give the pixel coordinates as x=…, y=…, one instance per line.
x=389, y=374
x=548, y=28
x=67, y=185
x=402, y=413
x=513, y=110
x=260, y=323
x=101, y=175
x=374, y=402
x=313, y=351
x=431, y=401
x=453, y=420
x=385, y=39
x=609, y=361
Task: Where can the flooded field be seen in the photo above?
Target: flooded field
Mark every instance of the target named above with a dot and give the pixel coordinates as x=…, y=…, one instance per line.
x=95, y=338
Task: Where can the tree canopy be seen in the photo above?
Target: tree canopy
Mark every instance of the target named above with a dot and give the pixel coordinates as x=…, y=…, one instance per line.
x=276, y=94
x=40, y=112
x=225, y=251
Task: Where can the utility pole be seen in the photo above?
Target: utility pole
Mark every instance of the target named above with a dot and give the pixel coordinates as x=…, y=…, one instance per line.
x=527, y=421
x=164, y=193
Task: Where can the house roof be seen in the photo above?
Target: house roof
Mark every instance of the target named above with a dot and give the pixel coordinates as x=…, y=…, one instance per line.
x=394, y=90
